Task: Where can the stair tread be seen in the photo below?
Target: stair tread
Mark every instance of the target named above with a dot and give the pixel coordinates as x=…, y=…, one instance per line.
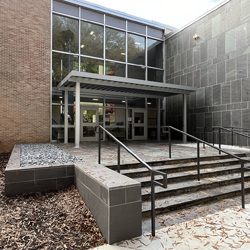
x=188, y=197
x=132, y=170
x=188, y=173
x=193, y=183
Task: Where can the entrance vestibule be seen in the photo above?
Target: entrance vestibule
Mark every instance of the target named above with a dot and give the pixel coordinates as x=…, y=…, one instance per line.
x=133, y=109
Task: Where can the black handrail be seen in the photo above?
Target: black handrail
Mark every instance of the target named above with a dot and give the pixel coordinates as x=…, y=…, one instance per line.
x=198, y=157
x=231, y=130
x=153, y=172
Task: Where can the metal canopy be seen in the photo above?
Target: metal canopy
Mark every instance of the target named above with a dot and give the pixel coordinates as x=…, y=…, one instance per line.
x=113, y=85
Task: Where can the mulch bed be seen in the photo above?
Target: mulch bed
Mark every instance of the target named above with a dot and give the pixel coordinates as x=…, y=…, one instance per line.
x=48, y=220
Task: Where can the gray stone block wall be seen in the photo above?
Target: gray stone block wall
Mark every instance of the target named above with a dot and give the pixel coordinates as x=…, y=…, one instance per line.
x=218, y=64
x=113, y=199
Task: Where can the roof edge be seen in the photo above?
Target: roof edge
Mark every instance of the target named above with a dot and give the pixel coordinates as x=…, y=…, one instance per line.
x=120, y=14
x=196, y=19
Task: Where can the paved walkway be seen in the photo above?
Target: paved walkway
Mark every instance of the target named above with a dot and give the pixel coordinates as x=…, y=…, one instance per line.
x=218, y=225
x=225, y=229
x=146, y=150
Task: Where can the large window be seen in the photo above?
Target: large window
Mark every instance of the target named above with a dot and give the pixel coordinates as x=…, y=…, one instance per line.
x=155, y=57
x=115, y=69
x=91, y=39
x=92, y=65
x=65, y=34
x=115, y=45
x=118, y=55
x=62, y=65
x=136, y=49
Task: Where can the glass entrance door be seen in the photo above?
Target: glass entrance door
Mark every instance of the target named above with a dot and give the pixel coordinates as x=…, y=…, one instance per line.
x=139, y=124
x=89, y=121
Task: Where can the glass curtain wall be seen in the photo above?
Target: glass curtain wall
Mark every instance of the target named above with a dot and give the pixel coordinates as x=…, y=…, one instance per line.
x=88, y=41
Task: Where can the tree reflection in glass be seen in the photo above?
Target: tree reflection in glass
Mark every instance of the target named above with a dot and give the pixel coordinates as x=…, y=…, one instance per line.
x=62, y=64
x=136, y=49
x=65, y=34
x=115, y=45
x=91, y=39
x=92, y=65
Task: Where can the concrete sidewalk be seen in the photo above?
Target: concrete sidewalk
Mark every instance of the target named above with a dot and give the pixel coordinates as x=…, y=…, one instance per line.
x=226, y=229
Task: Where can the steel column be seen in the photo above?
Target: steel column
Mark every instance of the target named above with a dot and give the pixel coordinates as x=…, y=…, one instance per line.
x=77, y=115
x=242, y=185
x=198, y=160
x=184, y=137
x=152, y=203
x=169, y=141
x=99, y=146
x=118, y=157
x=66, y=116
x=219, y=140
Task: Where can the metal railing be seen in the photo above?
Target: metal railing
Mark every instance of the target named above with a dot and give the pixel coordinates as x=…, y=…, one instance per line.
x=242, y=161
x=153, y=172
x=232, y=130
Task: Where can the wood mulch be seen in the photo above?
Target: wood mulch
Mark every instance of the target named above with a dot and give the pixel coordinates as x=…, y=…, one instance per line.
x=48, y=220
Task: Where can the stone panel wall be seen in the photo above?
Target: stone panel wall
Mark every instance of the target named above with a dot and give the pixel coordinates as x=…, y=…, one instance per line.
x=218, y=64
x=24, y=72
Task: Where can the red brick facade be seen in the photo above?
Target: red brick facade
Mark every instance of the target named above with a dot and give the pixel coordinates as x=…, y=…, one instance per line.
x=24, y=72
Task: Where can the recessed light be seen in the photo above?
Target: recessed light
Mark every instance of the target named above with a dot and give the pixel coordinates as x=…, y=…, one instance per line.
x=92, y=32
x=149, y=103
x=60, y=97
x=82, y=46
x=95, y=99
x=123, y=101
x=123, y=54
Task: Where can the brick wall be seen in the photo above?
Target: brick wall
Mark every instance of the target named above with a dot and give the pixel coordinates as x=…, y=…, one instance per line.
x=218, y=64
x=24, y=72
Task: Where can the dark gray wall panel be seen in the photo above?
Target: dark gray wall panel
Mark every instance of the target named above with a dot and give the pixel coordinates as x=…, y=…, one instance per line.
x=218, y=64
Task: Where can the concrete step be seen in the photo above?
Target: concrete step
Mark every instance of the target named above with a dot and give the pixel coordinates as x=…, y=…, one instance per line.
x=192, y=175
x=143, y=172
x=175, y=202
x=174, y=161
x=193, y=186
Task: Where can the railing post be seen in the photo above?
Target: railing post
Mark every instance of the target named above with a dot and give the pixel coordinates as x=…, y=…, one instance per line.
x=169, y=141
x=204, y=133
x=232, y=136
x=198, y=160
x=213, y=136
x=242, y=185
x=99, y=146
x=118, y=158
x=219, y=140
x=152, y=203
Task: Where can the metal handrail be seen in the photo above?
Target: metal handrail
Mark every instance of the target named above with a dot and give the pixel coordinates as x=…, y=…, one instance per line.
x=153, y=172
x=229, y=129
x=198, y=157
x=239, y=128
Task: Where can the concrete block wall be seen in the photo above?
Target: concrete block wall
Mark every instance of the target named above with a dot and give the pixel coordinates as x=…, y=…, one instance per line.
x=24, y=72
x=19, y=180
x=218, y=64
x=113, y=199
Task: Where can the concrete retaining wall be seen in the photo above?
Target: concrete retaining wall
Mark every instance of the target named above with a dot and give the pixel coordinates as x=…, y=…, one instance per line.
x=113, y=199
x=19, y=180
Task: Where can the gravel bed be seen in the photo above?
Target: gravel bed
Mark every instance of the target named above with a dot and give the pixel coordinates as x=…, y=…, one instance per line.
x=45, y=154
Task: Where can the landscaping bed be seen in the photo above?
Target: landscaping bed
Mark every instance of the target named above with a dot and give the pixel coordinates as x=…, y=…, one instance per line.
x=47, y=220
